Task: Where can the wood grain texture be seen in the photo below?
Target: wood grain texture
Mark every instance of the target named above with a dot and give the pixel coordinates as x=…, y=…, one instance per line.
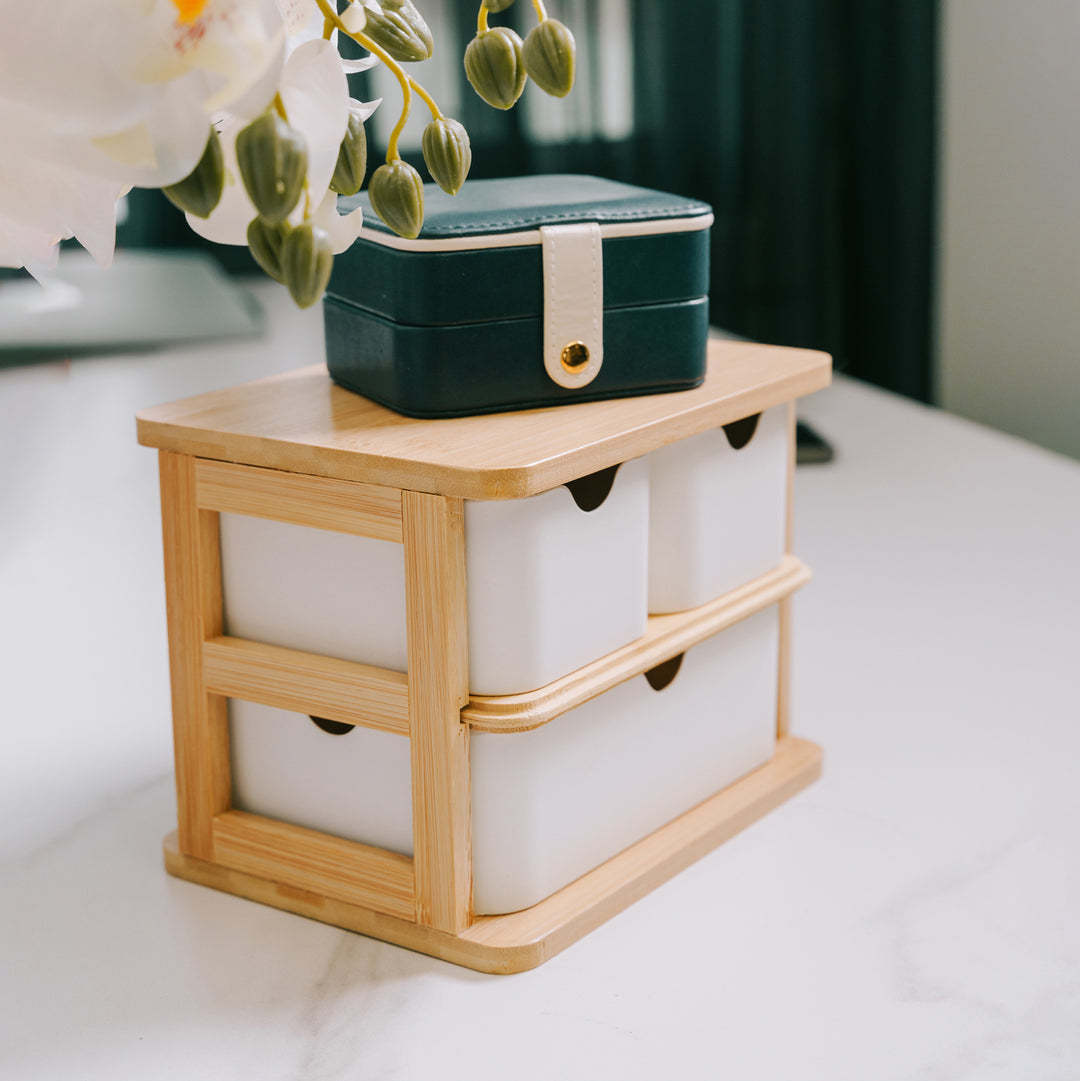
x=367, y=510
x=523, y=940
x=303, y=859
x=665, y=637
x=435, y=619
x=301, y=422
x=193, y=613
x=307, y=683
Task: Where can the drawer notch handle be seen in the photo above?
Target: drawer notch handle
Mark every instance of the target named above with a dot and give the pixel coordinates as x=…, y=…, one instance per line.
x=740, y=432
x=332, y=728
x=589, y=492
x=663, y=675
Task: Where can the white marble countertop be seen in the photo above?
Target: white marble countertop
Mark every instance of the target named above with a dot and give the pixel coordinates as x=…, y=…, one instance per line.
x=912, y=915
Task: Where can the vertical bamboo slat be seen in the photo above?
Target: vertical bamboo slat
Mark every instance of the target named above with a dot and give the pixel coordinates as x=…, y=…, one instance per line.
x=194, y=613
x=434, y=535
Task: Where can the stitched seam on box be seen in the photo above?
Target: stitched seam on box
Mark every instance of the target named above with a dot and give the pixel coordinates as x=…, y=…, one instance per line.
x=547, y=219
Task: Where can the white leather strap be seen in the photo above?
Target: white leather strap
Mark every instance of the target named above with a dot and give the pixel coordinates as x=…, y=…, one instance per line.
x=573, y=302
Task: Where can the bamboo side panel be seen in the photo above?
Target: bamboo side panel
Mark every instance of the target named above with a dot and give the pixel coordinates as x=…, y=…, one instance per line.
x=665, y=637
x=434, y=534
x=193, y=613
x=307, y=683
x=368, y=510
x=304, y=859
x=523, y=940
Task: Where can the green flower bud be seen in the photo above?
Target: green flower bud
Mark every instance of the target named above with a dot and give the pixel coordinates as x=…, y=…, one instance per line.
x=200, y=191
x=497, y=5
x=549, y=57
x=495, y=66
x=396, y=193
x=400, y=29
x=351, y=165
x=273, y=164
x=447, y=153
x=265, y=239
x=307, y=257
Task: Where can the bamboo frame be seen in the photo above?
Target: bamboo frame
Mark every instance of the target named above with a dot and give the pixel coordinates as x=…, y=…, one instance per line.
x=307, y=683
x=304, y=859
x=434, y=530
x=281, y=470
x=523, y=940
x=301, y=423
x=193, y=613
x=367, y=510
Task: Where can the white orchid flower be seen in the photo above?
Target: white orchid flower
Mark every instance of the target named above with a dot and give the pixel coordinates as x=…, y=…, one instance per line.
x=99, y=97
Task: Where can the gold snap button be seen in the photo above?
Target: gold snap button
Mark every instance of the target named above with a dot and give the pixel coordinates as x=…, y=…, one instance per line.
x=575, y=356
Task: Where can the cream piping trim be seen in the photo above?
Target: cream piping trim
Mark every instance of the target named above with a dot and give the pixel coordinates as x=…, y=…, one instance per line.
x=608, y=230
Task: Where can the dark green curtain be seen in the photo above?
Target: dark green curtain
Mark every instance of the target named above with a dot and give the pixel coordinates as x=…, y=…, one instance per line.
x=810, y=126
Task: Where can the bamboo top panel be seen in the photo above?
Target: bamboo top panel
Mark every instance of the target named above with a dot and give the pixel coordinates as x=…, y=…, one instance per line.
x=302, y=422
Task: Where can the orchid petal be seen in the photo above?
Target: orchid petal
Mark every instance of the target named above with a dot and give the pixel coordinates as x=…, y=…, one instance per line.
x=342, y=229
x=228, y=222
x=364, y=63
x=316, y=97
x=364, y=109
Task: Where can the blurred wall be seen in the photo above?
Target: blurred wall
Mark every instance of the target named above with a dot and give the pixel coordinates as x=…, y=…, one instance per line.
x=1008, y=322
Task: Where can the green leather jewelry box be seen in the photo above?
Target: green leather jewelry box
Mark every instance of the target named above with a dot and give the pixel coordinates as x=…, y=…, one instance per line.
x=525, y=292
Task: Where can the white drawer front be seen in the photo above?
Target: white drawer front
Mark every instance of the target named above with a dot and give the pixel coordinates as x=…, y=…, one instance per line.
x=357, y=785
x=551, y=804
x=717, y=515
x=550, y=587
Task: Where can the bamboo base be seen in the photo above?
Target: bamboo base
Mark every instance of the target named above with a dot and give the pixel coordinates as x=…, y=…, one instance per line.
x=523, y=940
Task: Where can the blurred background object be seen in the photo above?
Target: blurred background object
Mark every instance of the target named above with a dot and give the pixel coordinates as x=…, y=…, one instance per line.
x=1009, y=271
x=145, y=300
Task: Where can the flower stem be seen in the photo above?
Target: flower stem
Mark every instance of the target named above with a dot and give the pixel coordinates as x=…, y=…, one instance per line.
x=541, y=11
x=481, y=19
x=404, y=80
x=429, y=101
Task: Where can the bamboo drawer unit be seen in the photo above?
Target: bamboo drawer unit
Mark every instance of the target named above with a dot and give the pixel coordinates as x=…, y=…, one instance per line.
x=349, y=769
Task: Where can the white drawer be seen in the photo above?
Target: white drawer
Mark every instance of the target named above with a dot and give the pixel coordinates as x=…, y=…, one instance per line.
x=551, y=804
x=551, y=587
x=547, y=805
x=717, y=515
x=356, y=785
